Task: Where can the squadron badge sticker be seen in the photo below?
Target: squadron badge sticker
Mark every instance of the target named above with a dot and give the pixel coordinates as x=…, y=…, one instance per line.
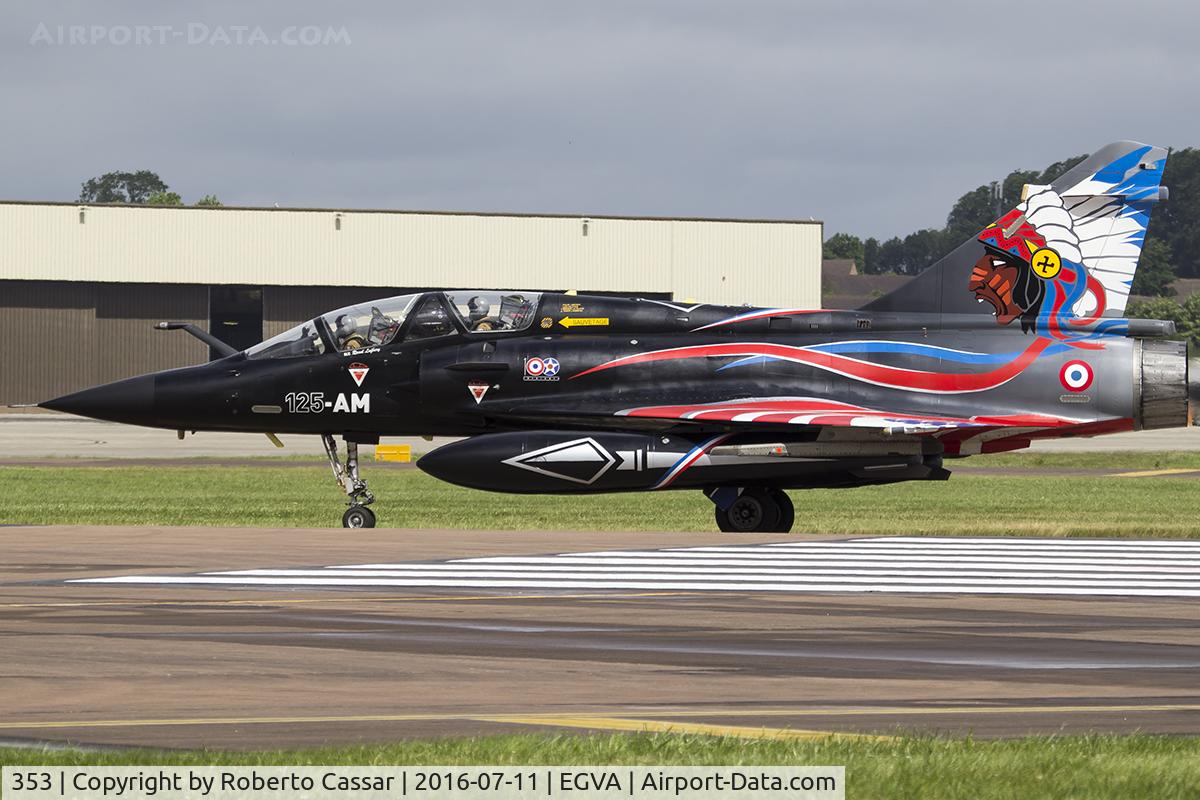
x=478, y=389
x=541, y=369
x=358, y=372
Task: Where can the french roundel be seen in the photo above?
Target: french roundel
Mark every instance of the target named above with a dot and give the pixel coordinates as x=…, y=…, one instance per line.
x=535, y=367
x=1076, y=375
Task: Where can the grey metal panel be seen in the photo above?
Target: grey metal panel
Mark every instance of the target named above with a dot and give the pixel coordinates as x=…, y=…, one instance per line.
x=126, y=342
x=58, y=337
x=46, y=329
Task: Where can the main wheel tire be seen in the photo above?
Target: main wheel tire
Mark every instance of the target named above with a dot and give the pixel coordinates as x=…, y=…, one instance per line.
x=787, y=511
x=754, y=511
x=358, y=517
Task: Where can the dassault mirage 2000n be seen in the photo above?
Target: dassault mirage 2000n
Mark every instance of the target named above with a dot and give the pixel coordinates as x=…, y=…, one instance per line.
x=1016, y=335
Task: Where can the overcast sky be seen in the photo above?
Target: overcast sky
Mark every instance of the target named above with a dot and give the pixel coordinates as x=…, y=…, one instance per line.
x=873, y=116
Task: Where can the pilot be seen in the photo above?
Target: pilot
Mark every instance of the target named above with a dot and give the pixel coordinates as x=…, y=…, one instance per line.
x=478, y=308
x=347, y=335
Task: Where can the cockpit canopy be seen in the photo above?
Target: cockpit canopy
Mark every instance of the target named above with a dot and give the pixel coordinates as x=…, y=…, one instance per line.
x=483, y=312
x=369, y=324
x=379, y=323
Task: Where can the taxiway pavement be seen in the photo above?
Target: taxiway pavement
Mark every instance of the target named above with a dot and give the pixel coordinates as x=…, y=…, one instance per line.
x=28, y=435
x=467, y=632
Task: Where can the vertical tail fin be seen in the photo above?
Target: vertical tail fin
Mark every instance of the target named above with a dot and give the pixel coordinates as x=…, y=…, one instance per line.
x=1067, y=253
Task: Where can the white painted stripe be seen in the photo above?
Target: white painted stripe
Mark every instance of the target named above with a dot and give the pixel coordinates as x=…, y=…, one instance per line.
x=795, y=577
x=899, y=568
x=994, y=541
x=606, y=565
x=1108, y=590
x=748, y=559
x=916, y=565
x=1017, y=541
x=1015, y=558
x=796, y=552
x=912, y=548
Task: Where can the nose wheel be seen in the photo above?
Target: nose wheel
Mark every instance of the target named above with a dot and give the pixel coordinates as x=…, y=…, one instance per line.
x=357, y=515
x=753, y=510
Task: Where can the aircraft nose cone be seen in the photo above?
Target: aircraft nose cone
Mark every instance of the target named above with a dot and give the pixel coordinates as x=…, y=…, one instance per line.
x=130, y=400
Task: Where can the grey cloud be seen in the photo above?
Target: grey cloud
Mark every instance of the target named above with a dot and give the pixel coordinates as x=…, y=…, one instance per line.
x=871, y=115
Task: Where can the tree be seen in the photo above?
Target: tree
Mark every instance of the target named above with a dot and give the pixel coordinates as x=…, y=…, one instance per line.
x=844, y=245
x=1059, y=168
x=1186, y=316
x=1188, y=324
x=976, y=209
x=1154, y=308
x=1013, y=186
x=891, y=255
x=970, y=214
x=871, y=256
x=164, y=199
x=1155, y=272
x=921, y=249
x=1177, y=221
x=122, y=187
x=209, y=200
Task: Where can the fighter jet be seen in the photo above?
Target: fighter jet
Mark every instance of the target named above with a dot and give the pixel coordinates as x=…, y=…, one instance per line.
x=1016, y=335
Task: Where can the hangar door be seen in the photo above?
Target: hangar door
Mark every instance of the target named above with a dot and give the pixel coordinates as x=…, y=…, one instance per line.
x=235, y=315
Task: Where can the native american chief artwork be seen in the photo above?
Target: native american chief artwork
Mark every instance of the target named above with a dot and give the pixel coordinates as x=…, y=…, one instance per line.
x=1062, y=260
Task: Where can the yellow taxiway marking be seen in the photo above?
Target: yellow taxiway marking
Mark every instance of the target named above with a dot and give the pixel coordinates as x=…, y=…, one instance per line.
x=1151, y=473
x=667, y=726
x=311, y=600
x=628, y=723
x=924, y=710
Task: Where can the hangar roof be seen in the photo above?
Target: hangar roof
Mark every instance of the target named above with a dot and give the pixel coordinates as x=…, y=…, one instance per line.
x=760, y=261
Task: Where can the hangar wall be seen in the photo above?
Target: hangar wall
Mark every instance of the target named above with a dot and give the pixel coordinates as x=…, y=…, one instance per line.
x=94, y=280
x=58, y=337
x=761, y=262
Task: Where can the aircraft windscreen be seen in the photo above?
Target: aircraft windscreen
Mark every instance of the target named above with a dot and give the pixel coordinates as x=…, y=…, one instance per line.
x=369, y=324
x=366, y=325
x=301, y=340
x=490, y=311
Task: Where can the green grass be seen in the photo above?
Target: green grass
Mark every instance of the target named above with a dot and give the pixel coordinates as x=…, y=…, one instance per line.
x=1030, y=503
x=1132, y=460
x=925, y=767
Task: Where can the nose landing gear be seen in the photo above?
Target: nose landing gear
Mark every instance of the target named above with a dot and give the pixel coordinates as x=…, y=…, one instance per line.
x=358, y=515
x=752, y=510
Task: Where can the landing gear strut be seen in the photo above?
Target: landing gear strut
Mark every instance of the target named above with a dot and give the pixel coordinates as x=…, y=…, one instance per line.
x=358, y=515
x=752, y=510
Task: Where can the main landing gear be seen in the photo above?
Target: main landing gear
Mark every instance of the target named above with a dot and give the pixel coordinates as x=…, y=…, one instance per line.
x=358, y=515
x=755, y=509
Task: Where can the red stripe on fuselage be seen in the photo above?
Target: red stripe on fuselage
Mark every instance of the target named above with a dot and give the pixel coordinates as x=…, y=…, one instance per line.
x=878, y=374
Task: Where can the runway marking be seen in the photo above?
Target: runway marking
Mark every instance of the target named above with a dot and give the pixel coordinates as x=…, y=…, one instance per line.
x=667, y=726
x=145, y=723
x=1151, y=473
x=554, y=719
x=436, y=598
x=906, y=565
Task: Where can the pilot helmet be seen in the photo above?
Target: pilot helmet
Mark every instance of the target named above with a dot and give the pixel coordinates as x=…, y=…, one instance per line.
x=478, y=307
x=345, y=325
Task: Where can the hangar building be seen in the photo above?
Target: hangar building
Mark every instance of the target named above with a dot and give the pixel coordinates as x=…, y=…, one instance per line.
x=82, y=286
